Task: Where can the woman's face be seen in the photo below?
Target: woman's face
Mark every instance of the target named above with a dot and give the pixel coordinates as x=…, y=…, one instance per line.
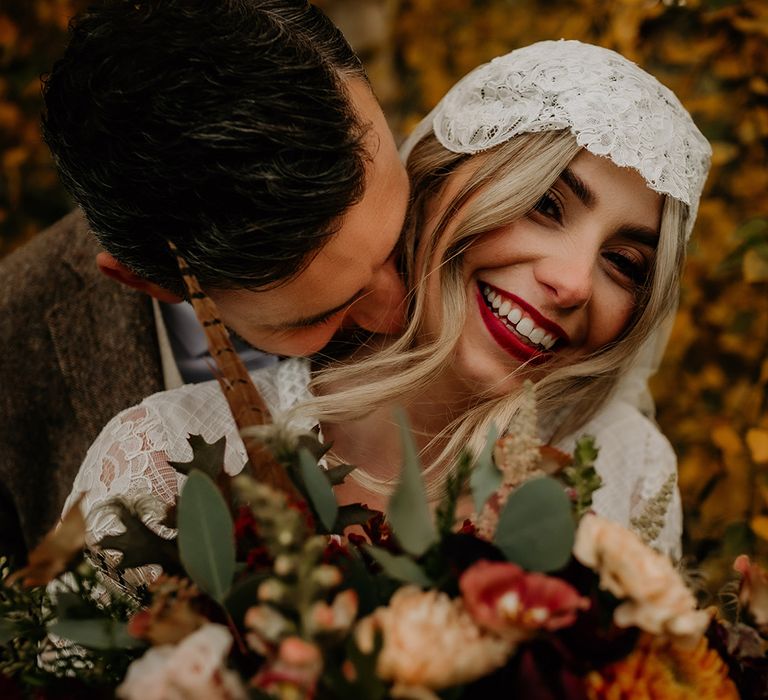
x=561, y=281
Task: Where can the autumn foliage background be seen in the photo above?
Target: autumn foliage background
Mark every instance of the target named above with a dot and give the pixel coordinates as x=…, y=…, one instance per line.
x=712, y=391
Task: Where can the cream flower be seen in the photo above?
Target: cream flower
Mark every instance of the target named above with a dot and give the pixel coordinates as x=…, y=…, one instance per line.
x=192, y=670
x=430, y=641
x=655, y=597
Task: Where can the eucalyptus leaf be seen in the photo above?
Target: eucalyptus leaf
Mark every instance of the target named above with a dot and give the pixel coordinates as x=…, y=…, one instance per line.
x=486, y=477
x=207, y=457
x=535, y=528
x=98, y=633
x=399, y=567
x=206, y=535
x=319, y=489
x=408, y=511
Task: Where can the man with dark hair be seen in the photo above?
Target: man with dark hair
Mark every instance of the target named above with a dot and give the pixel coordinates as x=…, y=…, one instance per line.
x=246, y=133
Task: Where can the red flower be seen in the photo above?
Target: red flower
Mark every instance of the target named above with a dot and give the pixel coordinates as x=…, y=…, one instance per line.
x=245, y=525
x=467, y=528
x=505, y=599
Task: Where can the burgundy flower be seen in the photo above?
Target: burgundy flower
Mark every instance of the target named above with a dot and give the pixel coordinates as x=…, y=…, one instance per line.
x=505, y=599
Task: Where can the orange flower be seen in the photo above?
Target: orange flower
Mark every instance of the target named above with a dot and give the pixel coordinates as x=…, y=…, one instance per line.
x=659, y=670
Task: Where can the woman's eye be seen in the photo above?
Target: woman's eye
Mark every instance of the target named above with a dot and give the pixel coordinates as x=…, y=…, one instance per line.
x=550, y=207
x=630, y=265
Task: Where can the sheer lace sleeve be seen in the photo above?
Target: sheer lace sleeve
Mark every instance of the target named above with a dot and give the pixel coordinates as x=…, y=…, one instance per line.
x=130, y=458
x=639, y=471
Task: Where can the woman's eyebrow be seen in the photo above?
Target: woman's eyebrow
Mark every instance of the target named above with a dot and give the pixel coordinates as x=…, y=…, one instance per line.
x=644, y=235
x=580, y=188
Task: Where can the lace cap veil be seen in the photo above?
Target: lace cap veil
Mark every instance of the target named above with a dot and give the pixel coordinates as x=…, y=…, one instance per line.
x=613, y=108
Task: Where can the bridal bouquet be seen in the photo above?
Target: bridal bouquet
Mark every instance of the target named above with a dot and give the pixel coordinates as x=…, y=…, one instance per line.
x=280, y=593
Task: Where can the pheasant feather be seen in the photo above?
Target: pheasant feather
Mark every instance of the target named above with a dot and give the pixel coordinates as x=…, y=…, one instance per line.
x=245, y=402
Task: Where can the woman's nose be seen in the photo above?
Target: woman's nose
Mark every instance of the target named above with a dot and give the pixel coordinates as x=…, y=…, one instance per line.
x=568, y=278
x=382, y=308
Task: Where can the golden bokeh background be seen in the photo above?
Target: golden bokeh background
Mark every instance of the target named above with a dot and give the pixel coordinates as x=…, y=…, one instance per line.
x=712, y=391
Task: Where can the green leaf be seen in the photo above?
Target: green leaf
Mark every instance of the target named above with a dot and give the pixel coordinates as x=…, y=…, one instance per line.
x=8, y=631
x=99, y=633
x=242, y=596
x=535, y=528
x=337, y=474
x=352, y=514
x=399, y=567
x=586, y=451
x=455, y=487
x=208, y=458
x=582, y=477
x=319, y=489
x=486, y=477
x=140, y=545
x=206, y=535
x=408, y=510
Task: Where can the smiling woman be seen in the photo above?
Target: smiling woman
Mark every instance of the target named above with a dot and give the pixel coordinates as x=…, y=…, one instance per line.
x=553, y=193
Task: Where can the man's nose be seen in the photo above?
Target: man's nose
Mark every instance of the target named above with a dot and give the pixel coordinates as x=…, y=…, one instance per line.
x=382, y=309
x=568, y=279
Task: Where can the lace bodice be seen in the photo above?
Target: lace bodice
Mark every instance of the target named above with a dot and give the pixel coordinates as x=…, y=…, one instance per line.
x=130, y=458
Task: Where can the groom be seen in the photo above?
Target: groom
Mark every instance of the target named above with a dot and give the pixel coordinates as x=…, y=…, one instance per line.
x=245, y=132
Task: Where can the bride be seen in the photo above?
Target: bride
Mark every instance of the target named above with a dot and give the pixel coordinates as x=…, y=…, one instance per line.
x=554, y=190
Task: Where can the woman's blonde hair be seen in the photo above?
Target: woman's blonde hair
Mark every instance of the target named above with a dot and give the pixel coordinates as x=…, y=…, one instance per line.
x=507, y=184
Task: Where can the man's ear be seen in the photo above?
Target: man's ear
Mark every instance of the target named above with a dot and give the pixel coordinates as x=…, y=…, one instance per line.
x=117, y=271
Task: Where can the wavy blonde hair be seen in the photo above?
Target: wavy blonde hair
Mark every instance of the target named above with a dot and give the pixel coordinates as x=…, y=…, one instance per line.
x=507, y=184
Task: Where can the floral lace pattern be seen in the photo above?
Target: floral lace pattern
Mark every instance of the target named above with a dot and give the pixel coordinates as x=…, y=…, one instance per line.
x=613, y=107
x=130, y=458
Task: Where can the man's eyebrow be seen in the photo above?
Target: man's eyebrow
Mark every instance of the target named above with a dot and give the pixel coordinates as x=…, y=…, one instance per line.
x=644, y=235
x=579, y=188
x=309, y=321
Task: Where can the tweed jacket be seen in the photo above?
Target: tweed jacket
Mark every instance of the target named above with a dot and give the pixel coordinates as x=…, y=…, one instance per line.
x=75, y=349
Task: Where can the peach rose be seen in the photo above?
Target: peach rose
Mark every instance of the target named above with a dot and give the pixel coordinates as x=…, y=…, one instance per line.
x=192, y=670
x=655, y=597
x=753, y=591
x=430, y=641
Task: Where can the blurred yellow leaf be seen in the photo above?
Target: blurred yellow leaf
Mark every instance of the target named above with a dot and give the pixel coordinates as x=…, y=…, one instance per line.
x=757, y=441
x=759, y=525
x=755, y=266
x=727, y=439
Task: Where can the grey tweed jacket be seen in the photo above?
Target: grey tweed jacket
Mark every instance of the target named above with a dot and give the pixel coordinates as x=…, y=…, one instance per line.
x=75, y=349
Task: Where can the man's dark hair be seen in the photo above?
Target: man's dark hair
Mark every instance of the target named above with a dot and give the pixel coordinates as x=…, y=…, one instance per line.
x=221, y=125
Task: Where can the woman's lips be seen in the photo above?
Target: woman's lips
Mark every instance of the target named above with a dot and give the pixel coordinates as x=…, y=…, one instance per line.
x=544, y=333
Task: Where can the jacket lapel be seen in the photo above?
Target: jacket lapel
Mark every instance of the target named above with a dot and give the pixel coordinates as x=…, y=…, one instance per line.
x=105, y=341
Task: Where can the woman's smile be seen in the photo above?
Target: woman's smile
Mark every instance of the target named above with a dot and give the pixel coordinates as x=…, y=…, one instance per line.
x=516, y=326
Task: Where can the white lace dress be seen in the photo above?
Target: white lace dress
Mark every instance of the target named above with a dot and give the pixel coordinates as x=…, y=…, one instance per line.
x=130, y=457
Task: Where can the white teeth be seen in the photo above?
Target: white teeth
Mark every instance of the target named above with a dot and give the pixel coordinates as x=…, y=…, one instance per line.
x=516, y=321
x=524, y=327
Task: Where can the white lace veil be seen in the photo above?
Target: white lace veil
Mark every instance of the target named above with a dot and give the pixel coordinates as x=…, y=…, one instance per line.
x=613, y=108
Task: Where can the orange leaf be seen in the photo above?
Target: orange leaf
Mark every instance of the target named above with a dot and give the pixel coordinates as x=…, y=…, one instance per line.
x=57, y=549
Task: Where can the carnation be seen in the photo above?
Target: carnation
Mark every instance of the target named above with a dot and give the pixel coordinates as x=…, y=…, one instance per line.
x=430, y=641
x=505, y=599
x=655, y=598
